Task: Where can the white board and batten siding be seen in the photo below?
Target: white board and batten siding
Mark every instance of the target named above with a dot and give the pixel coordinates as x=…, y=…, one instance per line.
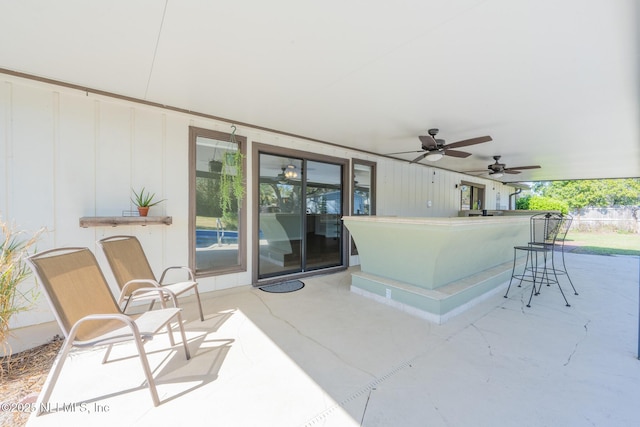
x=66, y=154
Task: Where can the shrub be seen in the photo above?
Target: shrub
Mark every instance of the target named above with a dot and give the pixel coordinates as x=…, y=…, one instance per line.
x=538, y=203
x=14, y=247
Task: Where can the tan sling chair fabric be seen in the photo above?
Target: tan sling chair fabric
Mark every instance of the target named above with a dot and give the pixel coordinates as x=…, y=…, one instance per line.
x=89, y=315
x=132, y=271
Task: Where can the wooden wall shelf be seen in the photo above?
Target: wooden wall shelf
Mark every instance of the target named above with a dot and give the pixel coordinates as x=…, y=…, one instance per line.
x=114, y=221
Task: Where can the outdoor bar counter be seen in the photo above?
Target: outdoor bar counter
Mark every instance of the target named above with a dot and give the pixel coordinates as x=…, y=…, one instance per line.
x=434, y=267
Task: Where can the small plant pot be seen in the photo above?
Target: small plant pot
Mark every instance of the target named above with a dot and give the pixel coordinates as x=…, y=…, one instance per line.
x=143, y=210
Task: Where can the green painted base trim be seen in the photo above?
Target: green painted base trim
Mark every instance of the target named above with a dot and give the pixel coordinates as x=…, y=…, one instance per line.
x=437, y=305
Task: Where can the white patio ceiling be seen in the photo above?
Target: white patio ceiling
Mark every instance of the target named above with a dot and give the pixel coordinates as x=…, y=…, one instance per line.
x=555, y=83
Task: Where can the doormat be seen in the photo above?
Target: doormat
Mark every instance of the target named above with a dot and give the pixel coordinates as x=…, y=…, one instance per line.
x=283, y=287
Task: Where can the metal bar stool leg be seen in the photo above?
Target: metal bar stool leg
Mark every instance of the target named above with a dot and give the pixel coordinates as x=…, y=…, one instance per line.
x=535, y=277
x=526, y=267
x=545, y=274
x=564, y=268
x=513, y=271
x=556, y=278
x=560, y=287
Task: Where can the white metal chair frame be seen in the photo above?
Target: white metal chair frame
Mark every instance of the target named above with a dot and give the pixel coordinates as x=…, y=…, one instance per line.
x=144, y=275
x=139, y=328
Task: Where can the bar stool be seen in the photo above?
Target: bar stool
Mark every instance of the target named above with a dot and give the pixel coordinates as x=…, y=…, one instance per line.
x=543, y=229
x=559, y=247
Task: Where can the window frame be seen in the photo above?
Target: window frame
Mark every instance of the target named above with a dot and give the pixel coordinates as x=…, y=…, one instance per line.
x=372, y=190
x=194, y=133
x=477, y=192
x=352, y=190
x=258, y=148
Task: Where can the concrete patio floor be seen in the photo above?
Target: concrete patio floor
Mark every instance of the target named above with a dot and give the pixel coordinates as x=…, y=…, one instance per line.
x=324, y=356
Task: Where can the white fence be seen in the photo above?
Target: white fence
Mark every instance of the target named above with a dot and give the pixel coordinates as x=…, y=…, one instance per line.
x=623, y=219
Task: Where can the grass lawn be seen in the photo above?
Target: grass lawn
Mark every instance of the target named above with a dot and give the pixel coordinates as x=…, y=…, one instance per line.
x=604, y=243
x=206, y=222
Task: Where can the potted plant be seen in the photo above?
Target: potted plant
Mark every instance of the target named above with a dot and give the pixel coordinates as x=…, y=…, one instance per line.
x=144, y=201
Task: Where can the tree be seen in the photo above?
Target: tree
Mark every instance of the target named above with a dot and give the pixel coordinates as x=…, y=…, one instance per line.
x=523, y=202
x=592, y=193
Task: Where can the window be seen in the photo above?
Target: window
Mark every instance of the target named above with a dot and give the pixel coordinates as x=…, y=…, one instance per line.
x=363, y=194
x=471, y=196
x=216, y=239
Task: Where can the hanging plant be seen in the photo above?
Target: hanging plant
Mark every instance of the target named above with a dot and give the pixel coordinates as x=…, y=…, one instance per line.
x=231, y=179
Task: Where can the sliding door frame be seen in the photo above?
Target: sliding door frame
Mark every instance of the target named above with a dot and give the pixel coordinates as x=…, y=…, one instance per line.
x=261, y=148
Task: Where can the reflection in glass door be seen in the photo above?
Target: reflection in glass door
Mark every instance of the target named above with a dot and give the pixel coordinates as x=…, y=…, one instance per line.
x=324, y=210
x=300, y=203
x=280, y=215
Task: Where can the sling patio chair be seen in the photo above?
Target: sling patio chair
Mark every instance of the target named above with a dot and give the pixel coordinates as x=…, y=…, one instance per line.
x=89, y=315
x=132, y=271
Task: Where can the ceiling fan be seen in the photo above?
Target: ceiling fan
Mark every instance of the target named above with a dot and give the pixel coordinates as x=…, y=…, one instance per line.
x=498, y=169
x=434, y=149
x=289, y=172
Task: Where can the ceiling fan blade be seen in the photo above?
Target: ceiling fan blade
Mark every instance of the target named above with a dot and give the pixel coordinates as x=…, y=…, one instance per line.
x=472, y=141
x=420, y=157
x=428, y=141
x=525, y=167
x=455, y=153
x=511, y=171
x=405, y=152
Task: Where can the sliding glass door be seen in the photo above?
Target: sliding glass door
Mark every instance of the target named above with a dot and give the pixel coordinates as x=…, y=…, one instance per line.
x=300, y=209
x=280, y=218
x=323, y=195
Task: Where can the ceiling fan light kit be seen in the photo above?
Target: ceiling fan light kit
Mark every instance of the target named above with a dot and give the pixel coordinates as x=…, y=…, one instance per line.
x=290, y=172
x=434, y=157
